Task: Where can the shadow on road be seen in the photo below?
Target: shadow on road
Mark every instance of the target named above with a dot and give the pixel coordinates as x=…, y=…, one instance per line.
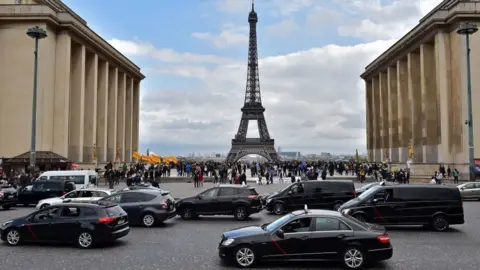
x=307, y=265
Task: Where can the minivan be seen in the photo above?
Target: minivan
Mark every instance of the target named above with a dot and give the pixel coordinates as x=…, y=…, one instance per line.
x=317, y=194
x=435, y=206
x=81, y=179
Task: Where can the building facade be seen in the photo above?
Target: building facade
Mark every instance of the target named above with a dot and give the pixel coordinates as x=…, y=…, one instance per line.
x=416, y=93
x=88, y=92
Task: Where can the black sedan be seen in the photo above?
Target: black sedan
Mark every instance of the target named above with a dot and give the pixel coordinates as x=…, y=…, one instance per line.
x=145, y=207
x=8, y=197
x=83, y=224
x=308, y=235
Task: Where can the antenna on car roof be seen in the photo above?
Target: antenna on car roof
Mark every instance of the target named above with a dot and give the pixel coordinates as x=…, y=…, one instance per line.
x=306, y=209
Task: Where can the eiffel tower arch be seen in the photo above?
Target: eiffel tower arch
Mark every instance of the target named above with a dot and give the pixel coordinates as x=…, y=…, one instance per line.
x=252, y=109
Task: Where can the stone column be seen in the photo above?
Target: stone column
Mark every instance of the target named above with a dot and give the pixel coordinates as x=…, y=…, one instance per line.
x=377, y=156
x=384, y=115
x=129, y=121
x=393, y=115
x=77, y=103
x=91, y=87
x=102, y=111
x=443, y=69
x=63, y=54
x=112, y=114
x=431, y=124
x=122, y=81
x=368, y=109
x=404, y=110
x=136, y=114
x=415, y=96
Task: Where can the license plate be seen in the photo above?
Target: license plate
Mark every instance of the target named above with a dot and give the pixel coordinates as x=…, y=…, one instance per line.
x=121, y=222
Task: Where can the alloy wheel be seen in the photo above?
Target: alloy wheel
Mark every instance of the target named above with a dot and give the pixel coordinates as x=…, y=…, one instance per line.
x=187, y=213
x=245, y=257
x=148, y=220
x=278, y=209
x=353, y=258
x=440, y=224
x=241, y=213
x=85, y=240
x=337, y=206
x=13, y=237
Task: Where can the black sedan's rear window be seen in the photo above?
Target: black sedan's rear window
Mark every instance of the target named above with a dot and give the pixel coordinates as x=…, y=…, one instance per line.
x=114, y=211
x=44, y=186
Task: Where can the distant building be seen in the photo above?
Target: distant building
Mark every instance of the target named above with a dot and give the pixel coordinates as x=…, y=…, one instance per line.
x=292, y=155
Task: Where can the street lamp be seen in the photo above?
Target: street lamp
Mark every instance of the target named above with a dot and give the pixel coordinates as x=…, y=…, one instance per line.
x=468, y=29
x=35, y=33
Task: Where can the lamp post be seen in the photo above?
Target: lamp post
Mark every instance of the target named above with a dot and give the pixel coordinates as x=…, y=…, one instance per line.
x=468, y=29
x=35, y=33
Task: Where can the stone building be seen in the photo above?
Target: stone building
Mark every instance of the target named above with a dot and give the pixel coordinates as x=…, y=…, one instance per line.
x=88, y=92
x=416, y=93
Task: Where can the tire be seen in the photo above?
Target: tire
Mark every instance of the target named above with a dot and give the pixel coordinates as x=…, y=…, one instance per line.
x=12, y=237
x=353, y=258
x=360, y=217
x=85, y=240
x=337, y=205
x=278, y=209
x=187, y=213
x=148, y=220
x=44, y=206
x=440, y=223
x=240, y=213
x=244, y=257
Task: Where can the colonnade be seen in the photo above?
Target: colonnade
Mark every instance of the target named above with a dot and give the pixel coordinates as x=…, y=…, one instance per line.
x=100, y=102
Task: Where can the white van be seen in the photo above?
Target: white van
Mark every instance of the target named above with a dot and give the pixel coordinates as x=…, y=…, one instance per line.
x=82, y=179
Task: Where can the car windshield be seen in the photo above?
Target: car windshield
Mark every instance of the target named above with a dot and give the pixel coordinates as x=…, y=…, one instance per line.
x=287, y=187
x=277, y=223
x=367, y=193
x=368, y=186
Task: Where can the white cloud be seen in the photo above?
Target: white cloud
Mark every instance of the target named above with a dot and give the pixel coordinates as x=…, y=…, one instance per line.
x=284, y=28
x=229, y=36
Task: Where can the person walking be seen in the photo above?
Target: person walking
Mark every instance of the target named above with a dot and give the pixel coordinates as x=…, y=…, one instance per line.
x=455, y=176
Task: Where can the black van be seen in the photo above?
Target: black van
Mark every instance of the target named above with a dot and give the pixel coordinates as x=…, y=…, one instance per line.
x=435, y=206
x=39, y=190
x=317, y=194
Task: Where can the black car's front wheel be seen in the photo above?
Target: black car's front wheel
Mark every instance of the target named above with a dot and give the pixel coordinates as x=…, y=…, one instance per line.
x=85, y=240
x=244, y=256
x=353, y=258
x=240, y=213
x=278, y=208
x=13, y=237
x=44, y=206
x=440, y=223
x=187, y=213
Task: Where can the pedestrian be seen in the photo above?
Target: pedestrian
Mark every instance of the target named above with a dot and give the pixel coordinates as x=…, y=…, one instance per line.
x=455, y=176
x=195, y=179
x=200, y=180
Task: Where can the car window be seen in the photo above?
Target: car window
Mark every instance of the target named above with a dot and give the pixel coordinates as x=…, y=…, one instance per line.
x=329, y=224
x=77, y=179
x=297, y=189
x=227, y=191
x=88, y=212
x=100, y=194
x=114, y=198
x=43, y=178
x=298, y=225
x=133, y=197
x=26, y=188
x=246, y=191
x=46, y=186
x=86, y=194
x=477, y=185
x=47, y=214
x=211, y=193
x=72, y=194
x=469, y=186
x=70, y=212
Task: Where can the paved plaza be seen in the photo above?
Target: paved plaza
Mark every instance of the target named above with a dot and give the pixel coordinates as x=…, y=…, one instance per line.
x=192, y=245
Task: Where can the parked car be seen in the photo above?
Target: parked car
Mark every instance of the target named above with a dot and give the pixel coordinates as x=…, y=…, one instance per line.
x=315, y=235
x=83, y=224
x=39, y=190
x=435, y=206
x=317, y=194
x=236, y=200
x=366, y=187
x=8, y=197
x=143, y=186
x=144, y=207
x=470, y=190
x=86, y=195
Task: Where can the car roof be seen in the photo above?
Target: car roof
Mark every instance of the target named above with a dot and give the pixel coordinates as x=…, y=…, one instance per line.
x=420, y=186
x=317, y=212
x=234, y=186
x=81, y=205
x=94, y=189
x=66, y=173
x=141, y=190
x=328, y=181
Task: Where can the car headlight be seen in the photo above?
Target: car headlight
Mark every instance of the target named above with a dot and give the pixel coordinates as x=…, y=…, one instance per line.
x=227, y=242
x=6, y=223
x=346, y=211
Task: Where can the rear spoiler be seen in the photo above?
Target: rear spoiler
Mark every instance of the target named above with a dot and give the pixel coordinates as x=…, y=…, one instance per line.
x=106, y=204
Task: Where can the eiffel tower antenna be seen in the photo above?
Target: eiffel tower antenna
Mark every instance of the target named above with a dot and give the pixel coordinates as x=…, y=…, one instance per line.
x=252, y=109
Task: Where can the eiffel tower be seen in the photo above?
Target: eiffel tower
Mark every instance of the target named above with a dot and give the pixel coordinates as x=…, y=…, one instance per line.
x=252, y=108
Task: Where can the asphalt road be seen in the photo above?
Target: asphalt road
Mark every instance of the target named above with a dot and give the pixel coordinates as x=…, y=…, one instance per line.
x=192, y=245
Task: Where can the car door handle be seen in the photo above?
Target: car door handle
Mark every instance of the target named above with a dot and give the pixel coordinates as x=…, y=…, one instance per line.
x=341, y=236
x=304, y=238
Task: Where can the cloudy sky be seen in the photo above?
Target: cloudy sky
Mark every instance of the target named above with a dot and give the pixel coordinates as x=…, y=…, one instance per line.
x=194, y=54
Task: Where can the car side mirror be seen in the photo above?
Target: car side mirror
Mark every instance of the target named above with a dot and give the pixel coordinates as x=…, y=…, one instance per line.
x=199, y=197
x=462, y=188
x=280, y=233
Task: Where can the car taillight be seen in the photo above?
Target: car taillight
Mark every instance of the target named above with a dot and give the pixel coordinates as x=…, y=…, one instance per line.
x=252, y=197
x=1, y=194
x=107, y=219
x=164, y=204
x=63, y=193
x=384, y=239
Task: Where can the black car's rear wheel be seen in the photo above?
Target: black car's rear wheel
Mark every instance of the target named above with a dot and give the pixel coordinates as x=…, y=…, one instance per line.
x=440, y=223
x=148, y=220
x=360, y=217
x=278, y=208
x=353, y=258
x=85, y=240
x=244, y=256
x=44, y=206
x=337, y=205
x=187, y=213
x=13, y=237
x=240, y=213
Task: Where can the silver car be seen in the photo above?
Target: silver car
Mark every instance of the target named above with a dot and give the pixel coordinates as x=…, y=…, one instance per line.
x=76, y=196
x=470, y=190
